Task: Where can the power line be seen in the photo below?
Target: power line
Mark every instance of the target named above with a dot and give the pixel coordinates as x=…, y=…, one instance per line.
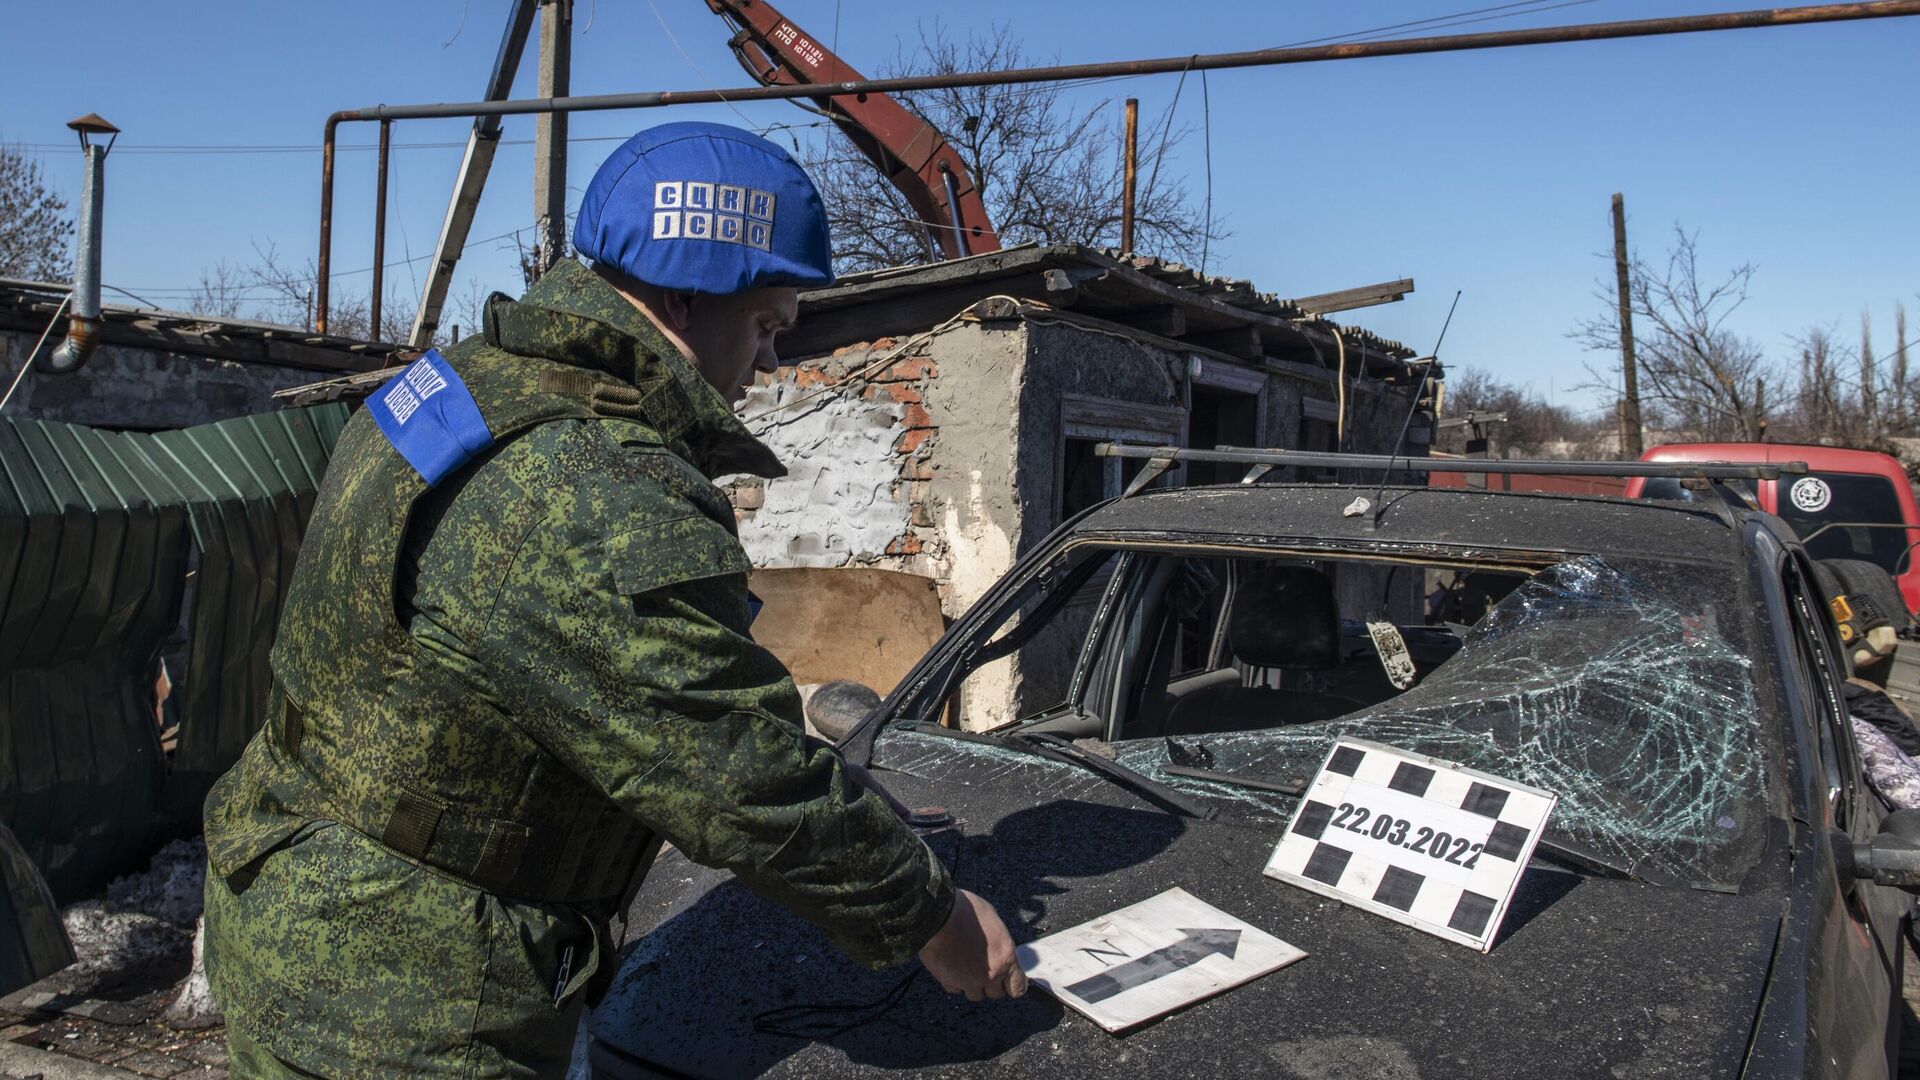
x=1498, y=11
x=177, y=291
x=1453, y=21
x=1526, y=7
x=684, y=55
x=293, y=148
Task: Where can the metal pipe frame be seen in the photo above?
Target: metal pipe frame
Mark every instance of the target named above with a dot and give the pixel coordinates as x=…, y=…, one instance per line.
x=1547, y=35
x=1677, y=470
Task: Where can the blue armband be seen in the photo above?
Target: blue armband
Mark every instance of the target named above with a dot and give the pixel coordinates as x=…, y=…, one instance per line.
x=429, y=416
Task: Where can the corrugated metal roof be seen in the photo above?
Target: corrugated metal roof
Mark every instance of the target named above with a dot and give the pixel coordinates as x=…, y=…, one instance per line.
x=104, y=536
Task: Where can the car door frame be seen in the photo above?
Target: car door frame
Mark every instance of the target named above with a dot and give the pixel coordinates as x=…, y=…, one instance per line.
x=1829, y=977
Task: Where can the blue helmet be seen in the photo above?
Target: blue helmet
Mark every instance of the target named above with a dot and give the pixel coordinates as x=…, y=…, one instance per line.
x=705, y=208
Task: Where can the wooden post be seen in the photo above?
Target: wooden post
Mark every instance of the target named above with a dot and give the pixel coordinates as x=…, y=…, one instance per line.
x=379, y=235
x=550, y=136
x=1631, y=446
x=1132, y=172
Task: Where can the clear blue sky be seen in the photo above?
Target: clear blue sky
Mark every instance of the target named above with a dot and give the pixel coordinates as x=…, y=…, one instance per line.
x=1487, y=172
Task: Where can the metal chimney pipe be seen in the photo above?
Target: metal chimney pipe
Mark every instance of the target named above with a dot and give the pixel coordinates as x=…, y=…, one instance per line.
x=83, y=326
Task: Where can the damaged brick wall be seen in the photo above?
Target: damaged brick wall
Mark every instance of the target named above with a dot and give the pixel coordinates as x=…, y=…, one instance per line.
x=908, y=468
x=859, y=463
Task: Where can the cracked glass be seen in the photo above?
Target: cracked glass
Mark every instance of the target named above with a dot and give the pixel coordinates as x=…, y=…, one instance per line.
x=1623, y=692
x=1622, y=686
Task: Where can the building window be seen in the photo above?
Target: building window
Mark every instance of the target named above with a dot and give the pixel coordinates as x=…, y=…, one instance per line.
x=1084, y=479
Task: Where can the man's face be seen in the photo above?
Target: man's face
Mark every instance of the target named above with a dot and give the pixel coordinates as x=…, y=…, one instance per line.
x=732, y=336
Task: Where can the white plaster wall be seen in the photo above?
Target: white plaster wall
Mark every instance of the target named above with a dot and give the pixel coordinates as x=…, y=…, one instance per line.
x=977, y=405
x=837, y=505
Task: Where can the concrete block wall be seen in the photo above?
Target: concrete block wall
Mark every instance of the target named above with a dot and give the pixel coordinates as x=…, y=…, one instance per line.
x=124, y=387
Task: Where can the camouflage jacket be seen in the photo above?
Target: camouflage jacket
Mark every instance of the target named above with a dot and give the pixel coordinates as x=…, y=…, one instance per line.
x=471, y=729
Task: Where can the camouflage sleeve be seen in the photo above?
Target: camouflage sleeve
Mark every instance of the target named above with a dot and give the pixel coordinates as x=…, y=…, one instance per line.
x=630, y=659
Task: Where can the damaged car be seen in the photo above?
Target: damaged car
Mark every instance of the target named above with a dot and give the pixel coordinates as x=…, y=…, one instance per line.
x=1141, y=702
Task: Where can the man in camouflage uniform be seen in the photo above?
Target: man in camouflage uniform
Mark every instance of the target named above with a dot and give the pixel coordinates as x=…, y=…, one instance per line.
x=515, y=657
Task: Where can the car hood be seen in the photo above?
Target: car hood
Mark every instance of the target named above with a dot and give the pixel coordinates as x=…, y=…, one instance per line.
x=1588, y=977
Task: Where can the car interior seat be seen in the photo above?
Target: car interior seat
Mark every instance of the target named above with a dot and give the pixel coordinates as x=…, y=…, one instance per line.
x=1283, y=624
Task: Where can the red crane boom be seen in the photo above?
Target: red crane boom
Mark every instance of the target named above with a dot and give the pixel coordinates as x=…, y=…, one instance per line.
x=907, y=150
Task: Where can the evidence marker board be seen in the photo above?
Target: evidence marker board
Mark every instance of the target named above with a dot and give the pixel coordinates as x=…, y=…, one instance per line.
x=1426, y=842
x=1151, y=958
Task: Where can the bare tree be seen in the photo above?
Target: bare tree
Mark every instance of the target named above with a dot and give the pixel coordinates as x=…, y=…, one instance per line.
x=222, y=292
x=1821, y=407
x=1697, y=376
x=35, y=229
x=1534, y=426
x=1869, y=380
x=468, y=311
x=1047, y=170
x=1902, y=404
x=271, y=291
x=287, y=297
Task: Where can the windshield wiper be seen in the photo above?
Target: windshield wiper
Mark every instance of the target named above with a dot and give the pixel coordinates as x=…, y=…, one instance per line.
x=1581, y=857
x=1044, y=744
x=1153, y=790
x=1193, y=772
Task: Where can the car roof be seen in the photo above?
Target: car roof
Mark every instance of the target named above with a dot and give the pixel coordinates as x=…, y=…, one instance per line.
x=1824, y=458
x=1419, y=516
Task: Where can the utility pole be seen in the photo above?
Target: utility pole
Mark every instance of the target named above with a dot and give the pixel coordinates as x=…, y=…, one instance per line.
x=1131, y=154
x=1630, y=436
x=550, y=136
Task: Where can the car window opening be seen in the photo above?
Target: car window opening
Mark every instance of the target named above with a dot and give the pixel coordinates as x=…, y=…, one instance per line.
x=1854, y=498
x=1202, y=644
x=1614, y=685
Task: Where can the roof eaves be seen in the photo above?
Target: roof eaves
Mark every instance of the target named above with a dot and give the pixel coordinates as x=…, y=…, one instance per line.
x=29, y=305
x=1209, y=312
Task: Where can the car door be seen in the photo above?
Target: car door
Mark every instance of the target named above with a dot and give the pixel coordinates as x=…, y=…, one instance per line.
x=1854, y=991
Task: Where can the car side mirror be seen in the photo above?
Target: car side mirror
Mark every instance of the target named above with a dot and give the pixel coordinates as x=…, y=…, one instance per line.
x=1891, y=857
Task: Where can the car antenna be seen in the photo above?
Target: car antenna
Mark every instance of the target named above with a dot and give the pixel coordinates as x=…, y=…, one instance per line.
x=1426, y=375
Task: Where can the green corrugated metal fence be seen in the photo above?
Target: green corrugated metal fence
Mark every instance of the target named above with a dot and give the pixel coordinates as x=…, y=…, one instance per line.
x=33, y=943
x=103, y=537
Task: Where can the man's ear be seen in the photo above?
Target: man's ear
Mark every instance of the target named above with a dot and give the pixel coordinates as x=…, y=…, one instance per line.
x=678, y=308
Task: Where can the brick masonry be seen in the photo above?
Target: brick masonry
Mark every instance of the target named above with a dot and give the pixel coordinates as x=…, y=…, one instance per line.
x=860, y=455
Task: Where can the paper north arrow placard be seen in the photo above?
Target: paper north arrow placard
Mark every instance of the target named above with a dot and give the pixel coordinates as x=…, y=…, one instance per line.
x=1152, y=958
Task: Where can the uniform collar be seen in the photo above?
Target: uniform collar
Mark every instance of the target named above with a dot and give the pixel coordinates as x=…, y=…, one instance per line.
x=571, y=316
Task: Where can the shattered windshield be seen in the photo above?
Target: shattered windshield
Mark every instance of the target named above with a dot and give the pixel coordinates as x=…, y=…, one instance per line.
x=1626, y=689
x=1626, y=694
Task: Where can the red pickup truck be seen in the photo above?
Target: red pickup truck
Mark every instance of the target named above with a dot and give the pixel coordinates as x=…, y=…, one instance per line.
x=1849, y=504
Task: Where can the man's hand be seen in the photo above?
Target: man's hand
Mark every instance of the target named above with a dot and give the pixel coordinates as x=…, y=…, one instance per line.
x=973, y=954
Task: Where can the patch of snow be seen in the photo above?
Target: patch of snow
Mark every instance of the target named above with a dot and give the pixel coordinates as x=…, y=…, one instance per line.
x=172, y=887
x=194, y=1008
x=109, y=940
x=144, y=923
